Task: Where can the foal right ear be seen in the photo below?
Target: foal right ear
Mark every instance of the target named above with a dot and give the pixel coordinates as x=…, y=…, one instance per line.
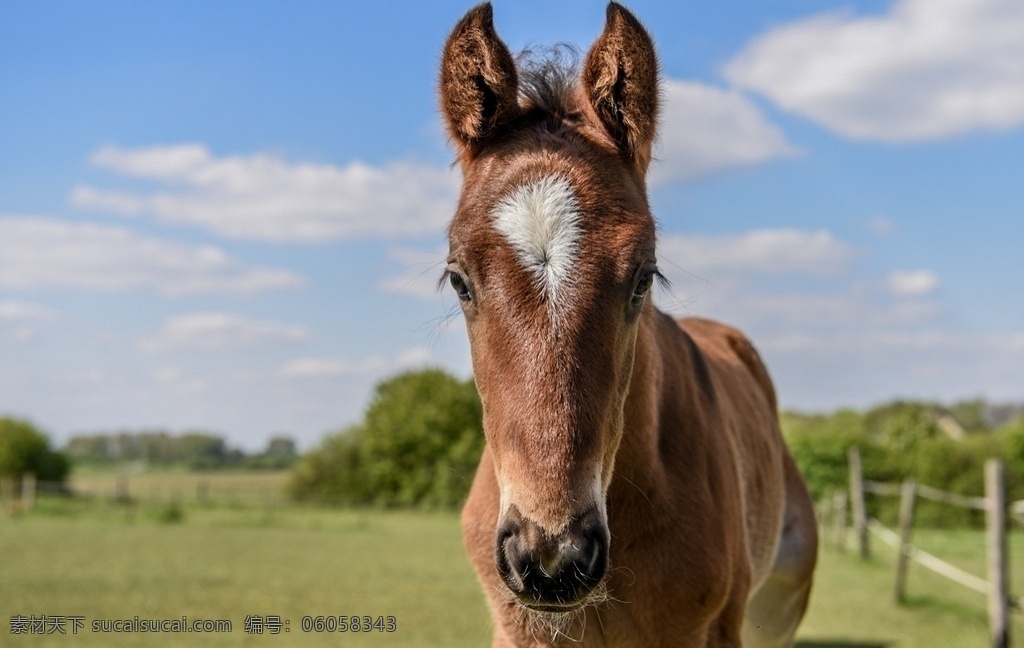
x=620, y=77
x=479, y=86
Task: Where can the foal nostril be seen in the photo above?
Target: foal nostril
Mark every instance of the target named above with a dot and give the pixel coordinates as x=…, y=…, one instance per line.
x=551, y=570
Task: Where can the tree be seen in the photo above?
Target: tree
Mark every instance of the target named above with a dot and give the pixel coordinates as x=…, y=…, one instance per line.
x=280, y=447
x=422, y=438
x=94, y=448
x=907, y=428
x=24, y=449
x=280, y=453
x=1012, y=436
x=197, y=450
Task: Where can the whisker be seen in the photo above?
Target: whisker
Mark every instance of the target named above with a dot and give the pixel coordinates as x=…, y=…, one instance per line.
x=638, y=489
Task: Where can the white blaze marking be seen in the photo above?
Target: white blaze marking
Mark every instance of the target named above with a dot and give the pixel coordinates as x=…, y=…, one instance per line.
x=541, y=221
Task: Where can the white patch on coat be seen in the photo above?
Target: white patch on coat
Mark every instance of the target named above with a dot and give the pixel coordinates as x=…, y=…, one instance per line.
x=541, y=221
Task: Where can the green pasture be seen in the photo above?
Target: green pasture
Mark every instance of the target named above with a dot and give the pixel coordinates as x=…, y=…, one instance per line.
x=234, y=547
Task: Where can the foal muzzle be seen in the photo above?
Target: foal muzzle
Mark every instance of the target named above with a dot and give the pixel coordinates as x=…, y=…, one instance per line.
x=552, y=572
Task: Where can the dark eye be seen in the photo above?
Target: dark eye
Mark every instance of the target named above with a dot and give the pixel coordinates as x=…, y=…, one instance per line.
x=459, y=285
x=643, y=286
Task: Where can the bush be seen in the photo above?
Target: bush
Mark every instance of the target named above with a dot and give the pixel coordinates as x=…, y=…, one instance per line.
x=819, y=445
x=333, y=473
x=169, y=513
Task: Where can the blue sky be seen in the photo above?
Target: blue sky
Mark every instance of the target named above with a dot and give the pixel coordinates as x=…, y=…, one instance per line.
x=229, y=216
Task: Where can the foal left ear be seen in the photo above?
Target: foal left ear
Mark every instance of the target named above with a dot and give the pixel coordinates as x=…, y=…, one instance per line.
x=620, y=79
x=479, y=84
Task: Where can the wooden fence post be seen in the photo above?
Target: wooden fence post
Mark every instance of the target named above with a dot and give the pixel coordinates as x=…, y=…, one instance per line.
x=907, y=496
x=121, y=494
x=839, y=519
x=28, y=491
x=7, y=494
x=998, y=564
x=860, y=516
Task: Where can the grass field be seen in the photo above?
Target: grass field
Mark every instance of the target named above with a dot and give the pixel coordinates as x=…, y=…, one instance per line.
x=238, y=554
x=851, y=606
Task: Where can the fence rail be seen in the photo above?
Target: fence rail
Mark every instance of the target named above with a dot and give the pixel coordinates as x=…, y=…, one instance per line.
x=925, y=559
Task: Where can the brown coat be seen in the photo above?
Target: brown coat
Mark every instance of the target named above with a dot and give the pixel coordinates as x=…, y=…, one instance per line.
x=635, y=489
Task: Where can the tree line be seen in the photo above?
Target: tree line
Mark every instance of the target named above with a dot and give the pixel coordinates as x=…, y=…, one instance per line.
x=192, y=450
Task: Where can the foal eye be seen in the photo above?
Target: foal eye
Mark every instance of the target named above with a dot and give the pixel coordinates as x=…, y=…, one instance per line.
x=643, y=286
x=459, y=285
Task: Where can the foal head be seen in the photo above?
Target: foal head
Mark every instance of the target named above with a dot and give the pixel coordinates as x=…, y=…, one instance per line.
x=552, y=257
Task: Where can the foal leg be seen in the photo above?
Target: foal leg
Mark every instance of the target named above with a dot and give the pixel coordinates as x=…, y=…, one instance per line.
x=776, y=608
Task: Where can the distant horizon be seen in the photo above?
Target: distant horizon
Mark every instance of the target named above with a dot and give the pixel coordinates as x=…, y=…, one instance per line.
x=231, y=218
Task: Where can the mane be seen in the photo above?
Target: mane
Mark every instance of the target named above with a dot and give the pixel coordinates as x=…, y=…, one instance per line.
x=549, y=79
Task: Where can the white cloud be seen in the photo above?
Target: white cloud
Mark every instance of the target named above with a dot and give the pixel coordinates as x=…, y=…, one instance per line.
x=867, y=364
x=21, y=320
x=331, y=367
x=168, y=375
x=777, y=284
x=838, y=342
x=42, y=253
x=220, y=332
x=335, y=367
x=829, y=338
x=264, y=197
x=414, y=357
x=927, y=69
x=758, y=252
x=880, y=226
x=912, y=283
x=706, y=129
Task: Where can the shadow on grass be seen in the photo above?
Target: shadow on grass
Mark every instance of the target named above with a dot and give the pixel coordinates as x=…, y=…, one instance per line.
x=840, y=643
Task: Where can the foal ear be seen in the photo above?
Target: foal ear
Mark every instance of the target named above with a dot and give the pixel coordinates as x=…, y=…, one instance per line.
x=620, y=79
x=479, y=87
